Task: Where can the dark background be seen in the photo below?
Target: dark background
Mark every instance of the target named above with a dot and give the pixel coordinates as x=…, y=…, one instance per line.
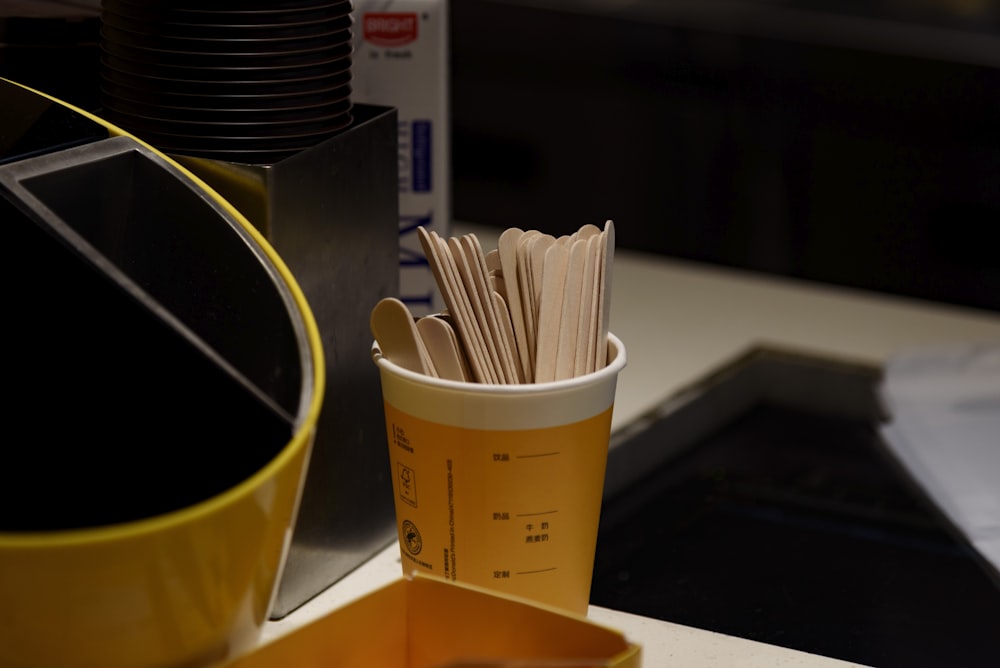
x=786, y=137
x=853, y=143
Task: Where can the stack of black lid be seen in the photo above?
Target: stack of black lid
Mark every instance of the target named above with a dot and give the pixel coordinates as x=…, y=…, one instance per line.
x=250, y=81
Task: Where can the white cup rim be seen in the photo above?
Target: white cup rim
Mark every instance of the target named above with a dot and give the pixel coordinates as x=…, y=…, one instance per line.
x=613, y=368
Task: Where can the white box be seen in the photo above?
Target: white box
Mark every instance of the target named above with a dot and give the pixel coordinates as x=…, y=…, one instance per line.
x=401, y=60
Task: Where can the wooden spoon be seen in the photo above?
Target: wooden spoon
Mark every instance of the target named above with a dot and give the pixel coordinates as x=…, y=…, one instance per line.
x=393, y=327
x=442, y=345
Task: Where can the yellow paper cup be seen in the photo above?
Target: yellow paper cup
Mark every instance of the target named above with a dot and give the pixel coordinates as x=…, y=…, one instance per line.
x=500, y=486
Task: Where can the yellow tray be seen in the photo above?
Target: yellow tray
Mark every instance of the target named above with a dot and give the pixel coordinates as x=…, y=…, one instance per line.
x=422, y=621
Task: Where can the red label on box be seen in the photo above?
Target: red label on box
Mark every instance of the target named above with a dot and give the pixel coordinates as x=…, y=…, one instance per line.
x=389, y=28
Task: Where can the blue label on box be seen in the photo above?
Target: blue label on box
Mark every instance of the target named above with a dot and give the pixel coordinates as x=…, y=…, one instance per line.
x=421, y=156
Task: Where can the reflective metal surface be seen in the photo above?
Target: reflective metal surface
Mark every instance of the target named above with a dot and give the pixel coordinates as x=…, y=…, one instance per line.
x=331, y=212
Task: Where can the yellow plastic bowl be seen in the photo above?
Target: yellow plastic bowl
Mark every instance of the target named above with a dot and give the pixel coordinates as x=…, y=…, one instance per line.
x=186, y=587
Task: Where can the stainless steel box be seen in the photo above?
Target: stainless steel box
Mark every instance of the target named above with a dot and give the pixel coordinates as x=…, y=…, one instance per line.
x=331, y=212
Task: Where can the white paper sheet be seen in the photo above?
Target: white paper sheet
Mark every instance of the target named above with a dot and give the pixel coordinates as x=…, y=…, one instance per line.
x=944, y=427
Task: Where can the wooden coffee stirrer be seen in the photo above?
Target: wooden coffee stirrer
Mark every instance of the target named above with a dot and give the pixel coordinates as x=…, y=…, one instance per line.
x=552, y=269
x=456, y=309
x=478, y=316
x=606, y=261
x=493, y=261
x=570, y=309
x=500, y=314
x=526, y=290
x=467, y=321
x=490, y=323
x=535, y=309
x=586, y=231
x=535, y=249
x=507, y=329
x=507, y=249
x=586, y=352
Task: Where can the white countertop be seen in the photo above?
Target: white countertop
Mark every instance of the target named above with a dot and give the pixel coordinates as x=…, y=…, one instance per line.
x=681, y=321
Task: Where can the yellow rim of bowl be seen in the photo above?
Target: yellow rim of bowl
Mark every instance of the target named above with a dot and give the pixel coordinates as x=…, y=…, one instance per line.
x=300, y=439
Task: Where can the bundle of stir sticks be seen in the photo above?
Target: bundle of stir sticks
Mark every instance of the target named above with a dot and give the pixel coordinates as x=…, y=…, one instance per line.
x=533, y=310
